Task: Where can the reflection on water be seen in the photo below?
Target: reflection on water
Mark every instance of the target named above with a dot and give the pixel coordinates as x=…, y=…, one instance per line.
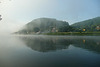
x=47, y=43
x=49, y=51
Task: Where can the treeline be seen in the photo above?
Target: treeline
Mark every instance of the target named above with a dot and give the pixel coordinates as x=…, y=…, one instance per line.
x=90, y=25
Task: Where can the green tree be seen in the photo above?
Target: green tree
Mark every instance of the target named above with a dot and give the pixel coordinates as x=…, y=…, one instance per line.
x=36, y=29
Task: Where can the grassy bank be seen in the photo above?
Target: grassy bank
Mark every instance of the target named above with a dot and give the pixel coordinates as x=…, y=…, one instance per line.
x=75, y=33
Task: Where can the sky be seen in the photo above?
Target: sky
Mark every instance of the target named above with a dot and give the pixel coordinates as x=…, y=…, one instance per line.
x=16, y=13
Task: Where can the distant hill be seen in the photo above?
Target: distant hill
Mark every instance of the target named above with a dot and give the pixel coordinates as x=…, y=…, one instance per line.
x=47, y=25
x=89, y=25
x=43, y=25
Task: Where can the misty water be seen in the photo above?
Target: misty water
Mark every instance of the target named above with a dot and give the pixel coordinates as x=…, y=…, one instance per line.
x=49, y=51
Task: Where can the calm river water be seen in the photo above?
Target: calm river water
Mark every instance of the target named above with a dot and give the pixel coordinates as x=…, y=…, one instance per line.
x=49, y=51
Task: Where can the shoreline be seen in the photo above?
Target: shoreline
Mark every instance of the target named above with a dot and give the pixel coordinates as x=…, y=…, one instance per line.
x=68, y=34
x=75, y=33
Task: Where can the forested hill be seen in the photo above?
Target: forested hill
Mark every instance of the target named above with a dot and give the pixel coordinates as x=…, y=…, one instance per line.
x=43, y=25
x=47, y=25
x=89, y=25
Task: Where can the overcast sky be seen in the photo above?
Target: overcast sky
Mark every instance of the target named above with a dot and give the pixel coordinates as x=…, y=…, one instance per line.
x=16, y=13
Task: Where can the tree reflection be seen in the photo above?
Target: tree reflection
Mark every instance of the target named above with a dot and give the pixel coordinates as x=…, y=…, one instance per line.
x=45, y=44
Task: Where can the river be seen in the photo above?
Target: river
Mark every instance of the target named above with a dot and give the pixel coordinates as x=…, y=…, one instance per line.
x=49, y=51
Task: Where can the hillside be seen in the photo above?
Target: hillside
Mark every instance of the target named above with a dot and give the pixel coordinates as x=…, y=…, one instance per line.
x=89, y=25
x=48, y=25
x=43, y=25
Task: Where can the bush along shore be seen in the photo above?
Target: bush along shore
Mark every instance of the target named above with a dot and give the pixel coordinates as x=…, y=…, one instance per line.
x=75, y=33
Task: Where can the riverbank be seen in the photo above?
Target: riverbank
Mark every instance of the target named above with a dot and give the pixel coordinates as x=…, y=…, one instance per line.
x=75, y=33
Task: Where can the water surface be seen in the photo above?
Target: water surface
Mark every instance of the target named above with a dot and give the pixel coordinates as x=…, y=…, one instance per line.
x=49, y=51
